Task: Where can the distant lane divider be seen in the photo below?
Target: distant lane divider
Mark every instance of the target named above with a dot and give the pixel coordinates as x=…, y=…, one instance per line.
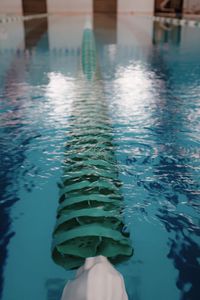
x=178, y=22
x=10, y=19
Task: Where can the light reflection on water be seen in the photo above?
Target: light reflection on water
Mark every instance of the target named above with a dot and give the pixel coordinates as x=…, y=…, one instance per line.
x=152, y=92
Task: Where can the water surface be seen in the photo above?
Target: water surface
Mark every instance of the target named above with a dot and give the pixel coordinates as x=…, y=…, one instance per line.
x=150, y=82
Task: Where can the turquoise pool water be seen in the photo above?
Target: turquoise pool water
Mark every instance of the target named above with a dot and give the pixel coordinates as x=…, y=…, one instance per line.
x=149, y=78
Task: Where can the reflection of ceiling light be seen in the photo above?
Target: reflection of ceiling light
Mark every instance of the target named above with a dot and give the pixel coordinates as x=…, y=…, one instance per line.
x=112, y=51
x=59, y=85
x=133, y=78
x=134, y=82
x=135, y=92
x=60, y=93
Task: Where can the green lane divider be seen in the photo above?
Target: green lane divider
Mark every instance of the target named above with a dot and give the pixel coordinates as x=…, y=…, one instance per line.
x=88, y=54
x=88, y=241
x=89, y=215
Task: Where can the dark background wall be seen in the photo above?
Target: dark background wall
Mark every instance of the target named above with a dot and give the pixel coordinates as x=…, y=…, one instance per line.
x=171, y=6
x=34, y=7
x=105, y=6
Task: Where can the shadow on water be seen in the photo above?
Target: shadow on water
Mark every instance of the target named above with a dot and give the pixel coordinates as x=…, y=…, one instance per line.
x=7, y=201
x=12, y=159
x=176, y=182
x=14, y=138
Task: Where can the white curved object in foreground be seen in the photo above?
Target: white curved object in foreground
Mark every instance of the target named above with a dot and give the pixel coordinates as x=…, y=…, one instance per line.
x=97, y=279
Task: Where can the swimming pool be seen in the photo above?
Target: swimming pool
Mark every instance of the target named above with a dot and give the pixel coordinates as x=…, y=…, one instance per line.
x=149, y=78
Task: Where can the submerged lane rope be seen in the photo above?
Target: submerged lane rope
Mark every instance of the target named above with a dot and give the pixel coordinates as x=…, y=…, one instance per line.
x=89, y=220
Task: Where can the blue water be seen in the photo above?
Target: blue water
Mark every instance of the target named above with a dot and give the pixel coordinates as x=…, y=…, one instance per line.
x=149, y=76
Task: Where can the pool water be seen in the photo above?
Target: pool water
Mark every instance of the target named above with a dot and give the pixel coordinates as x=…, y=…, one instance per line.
x=149, y=77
